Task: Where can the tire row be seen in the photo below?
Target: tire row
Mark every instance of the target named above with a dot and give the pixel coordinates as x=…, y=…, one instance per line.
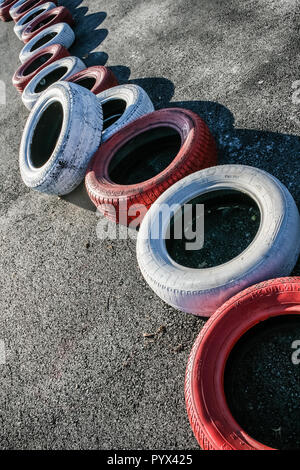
x=84, y=125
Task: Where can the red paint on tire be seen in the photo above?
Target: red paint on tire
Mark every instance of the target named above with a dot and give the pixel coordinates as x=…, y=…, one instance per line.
x=211, y=420
x=26, y=7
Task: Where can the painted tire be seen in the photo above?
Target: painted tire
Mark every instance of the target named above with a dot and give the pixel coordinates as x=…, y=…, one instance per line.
x=30, y=16
x=49, y=18
x=60, y=33
x=272, y=253
x=67, y=65
x=97, y=79
x=211, y=420
x=36, y=63
x=4, y=9
x=19, y=3
x=137, y=104
x=72, y=117
x=21, y=8
x=197, y=150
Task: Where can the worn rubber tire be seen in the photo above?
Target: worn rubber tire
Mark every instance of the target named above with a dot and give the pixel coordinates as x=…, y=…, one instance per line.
x=13, y=9
x=272, y=253
x=26, y=19
x=198, y=150
x=103, y=76
x=21, y=8
x=137, y=102
x=211, y=420
x=4, y=9
x=56, y=52
x=62, y=34
x=59, y=14
x=73, y=65
x=79, y=138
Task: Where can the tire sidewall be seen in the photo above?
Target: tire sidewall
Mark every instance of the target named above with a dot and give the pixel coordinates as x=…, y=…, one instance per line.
x=66, y=167
x=137, y=102
x=272, y=253
x=73, y=64
x=21, y=25
x=65, y=37
x=187, y=128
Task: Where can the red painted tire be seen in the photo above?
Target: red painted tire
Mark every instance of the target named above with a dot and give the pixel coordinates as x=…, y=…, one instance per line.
x=36, y=63
x=26, y=7
x=49, y=18
x=212, y=422
x=197, y=151
x=97, y=79
x=4, y=10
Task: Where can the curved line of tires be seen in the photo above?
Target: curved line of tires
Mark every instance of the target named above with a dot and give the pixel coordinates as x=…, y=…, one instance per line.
x=68, y=102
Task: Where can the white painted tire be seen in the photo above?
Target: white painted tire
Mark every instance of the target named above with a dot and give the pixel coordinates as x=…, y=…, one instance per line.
x=23, y=22
x=61, y=135
x=72, y=65
x=273, y=252
x=60, y=33
x=137, y=104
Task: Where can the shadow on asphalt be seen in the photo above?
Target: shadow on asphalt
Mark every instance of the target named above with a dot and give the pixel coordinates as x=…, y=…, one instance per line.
x=262, y=149
x=96, y=58
x=79, y=197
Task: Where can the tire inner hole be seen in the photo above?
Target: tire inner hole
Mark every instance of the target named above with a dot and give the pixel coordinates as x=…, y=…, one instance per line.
x=43, y=41
x=52, y=77
x=36, y=64
x=231, y=221
x=46, y=134
x=86, y=82
x=262, y=383
x=43, y=23
x=34, y=15
x=145, y=156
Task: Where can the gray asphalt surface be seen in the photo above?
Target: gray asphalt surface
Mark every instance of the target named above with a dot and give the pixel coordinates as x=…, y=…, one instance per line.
x=79, y=373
